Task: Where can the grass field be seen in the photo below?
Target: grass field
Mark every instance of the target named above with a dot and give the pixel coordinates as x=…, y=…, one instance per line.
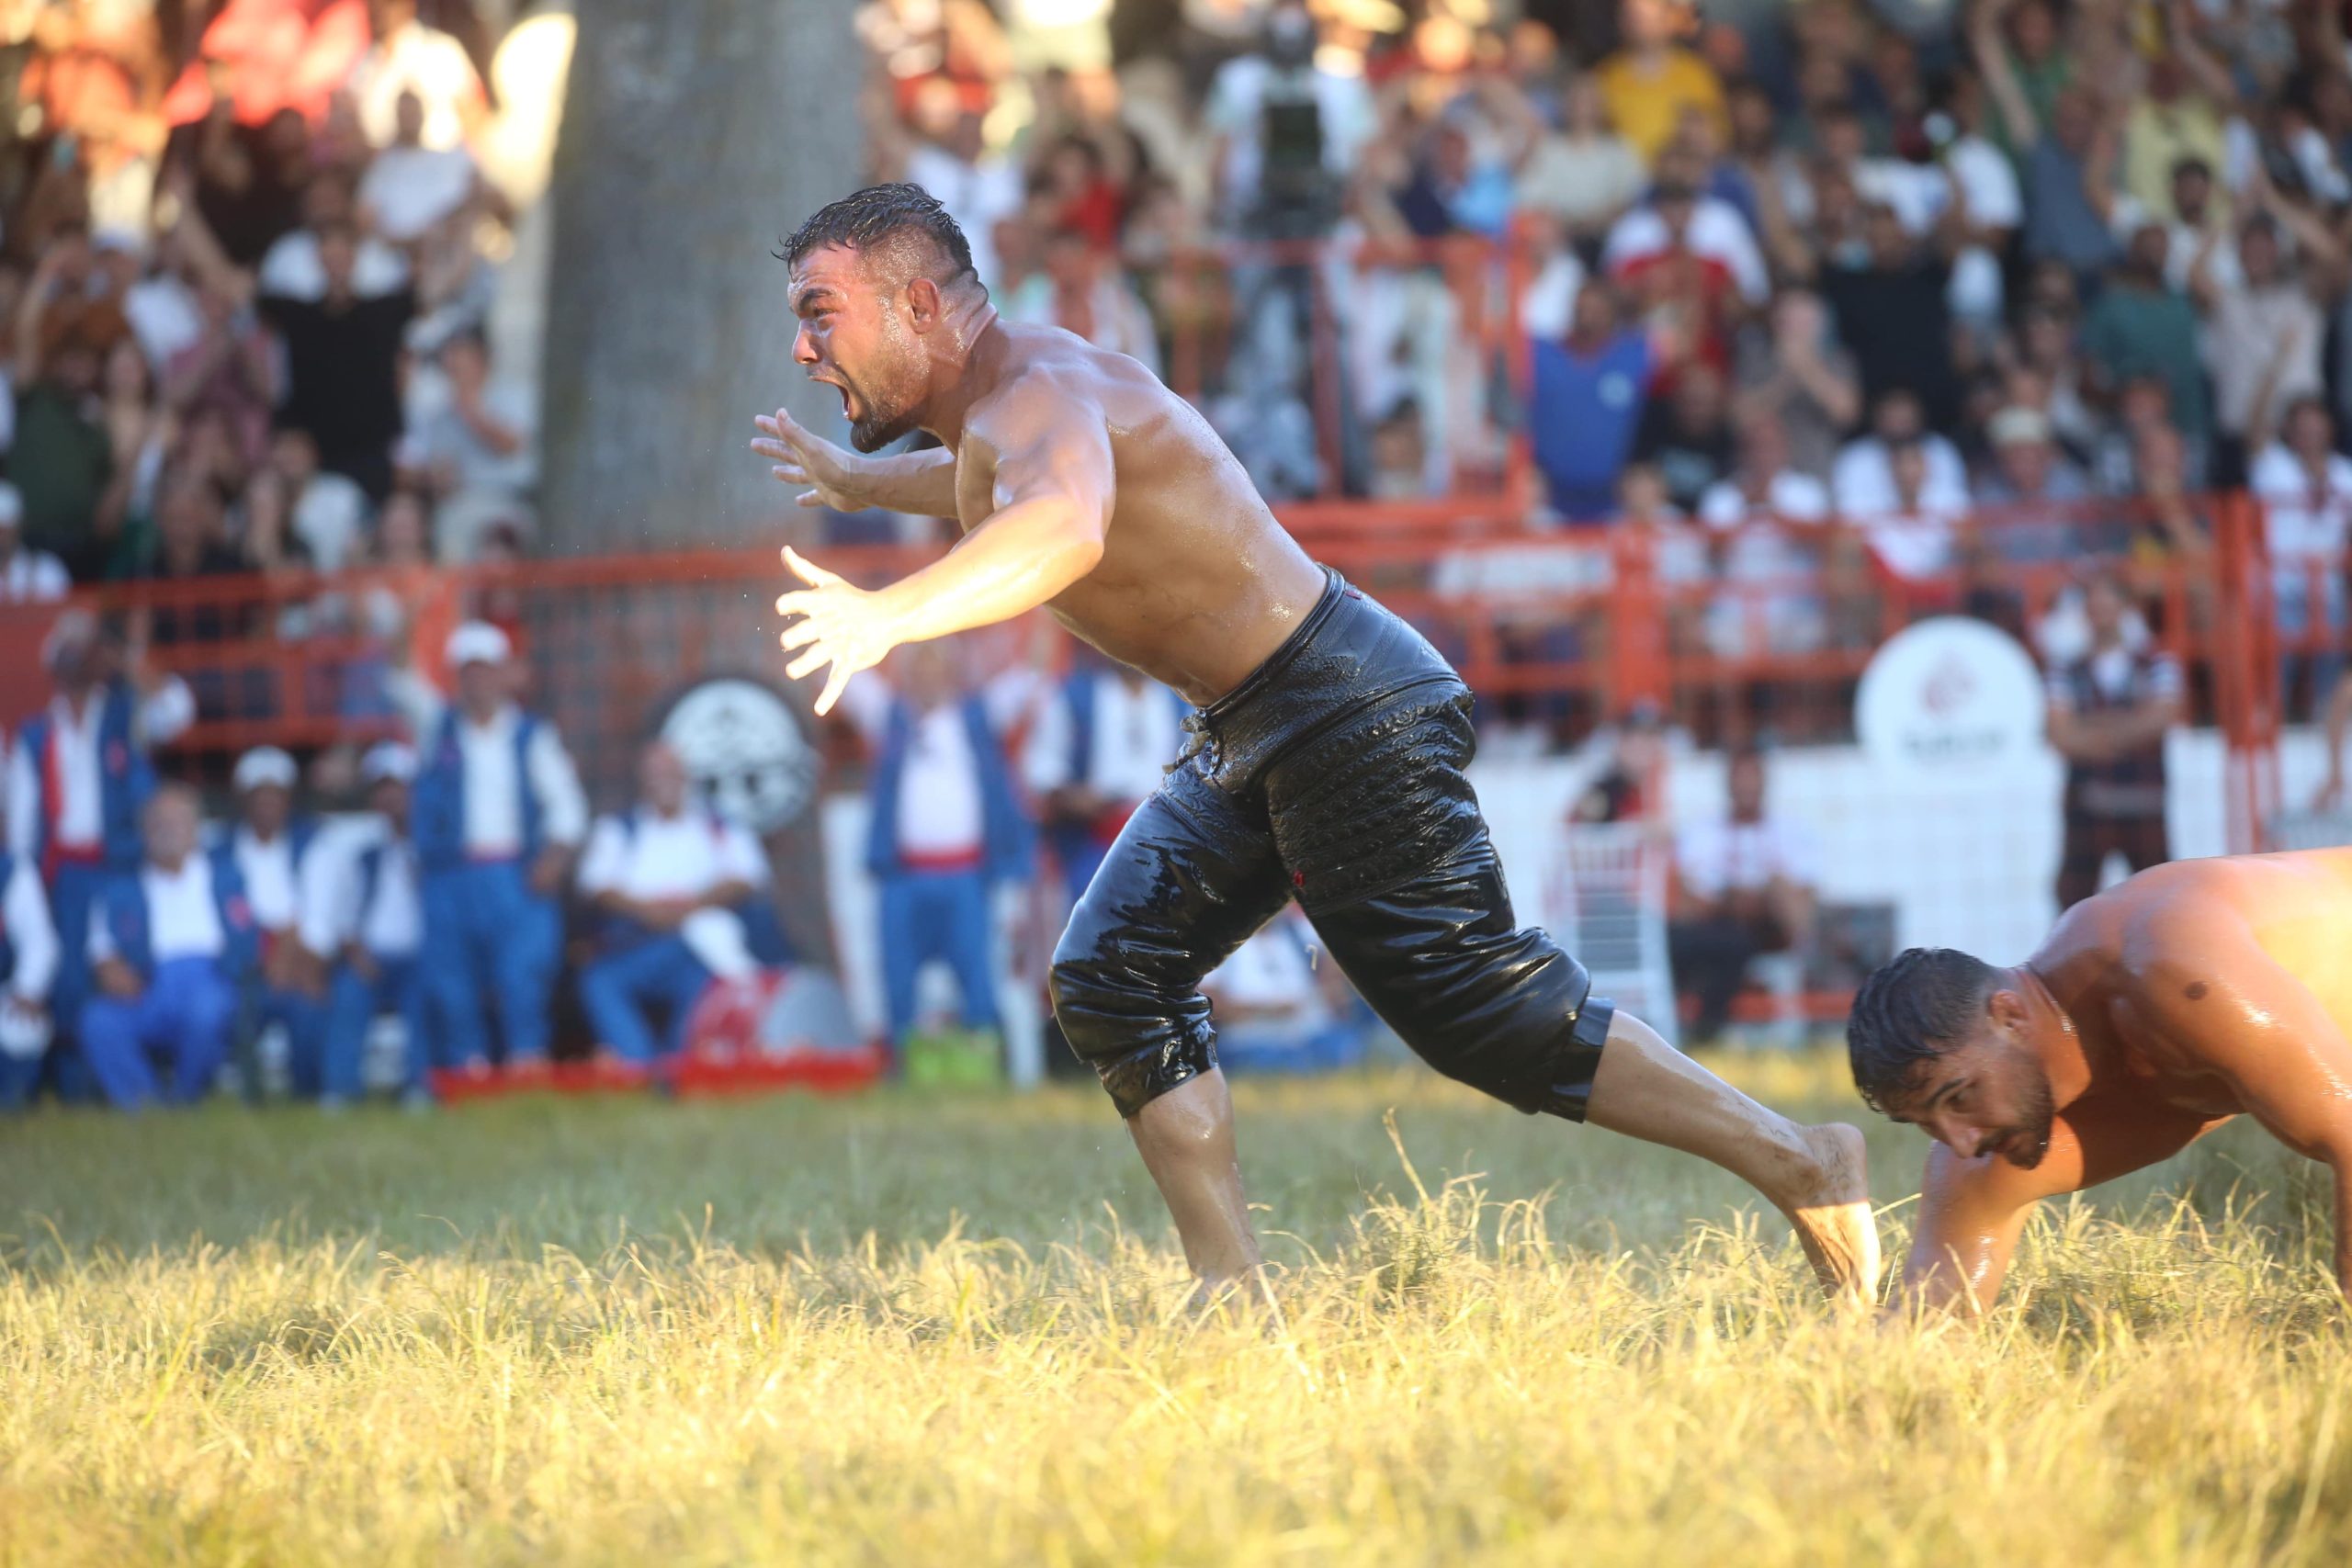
x=909, y=1330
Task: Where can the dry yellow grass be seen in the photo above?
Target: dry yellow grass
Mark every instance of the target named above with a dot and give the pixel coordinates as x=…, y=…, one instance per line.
x=909, y=1331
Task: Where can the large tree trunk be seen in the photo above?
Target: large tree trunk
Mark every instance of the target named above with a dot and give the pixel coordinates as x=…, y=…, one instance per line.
x=697, y=133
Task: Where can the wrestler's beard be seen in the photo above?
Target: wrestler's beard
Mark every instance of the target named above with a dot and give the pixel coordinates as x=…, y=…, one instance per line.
x=2028, y=1144
x=875, y=427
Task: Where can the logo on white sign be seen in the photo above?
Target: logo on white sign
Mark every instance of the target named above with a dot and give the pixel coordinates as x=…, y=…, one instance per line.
x=1952, y=698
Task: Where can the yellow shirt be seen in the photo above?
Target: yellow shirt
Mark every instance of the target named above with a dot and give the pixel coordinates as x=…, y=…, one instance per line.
x=1645, y=104
x=2155, y=138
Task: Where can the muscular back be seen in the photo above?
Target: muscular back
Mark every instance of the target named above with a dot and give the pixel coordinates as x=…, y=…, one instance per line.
x=1197, y=582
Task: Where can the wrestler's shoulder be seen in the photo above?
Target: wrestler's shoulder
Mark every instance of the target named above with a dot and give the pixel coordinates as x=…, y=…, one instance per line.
x=1048, y=367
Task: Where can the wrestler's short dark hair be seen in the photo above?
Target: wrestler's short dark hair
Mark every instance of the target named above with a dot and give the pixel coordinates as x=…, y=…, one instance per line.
x=873, y=219
x=1908, y=1013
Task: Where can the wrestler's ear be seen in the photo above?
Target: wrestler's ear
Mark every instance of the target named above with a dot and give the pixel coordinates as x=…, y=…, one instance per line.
x=2007, y=1009
x=923, y=304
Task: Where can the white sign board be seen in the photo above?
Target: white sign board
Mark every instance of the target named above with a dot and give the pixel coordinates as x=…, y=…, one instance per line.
x=1951, y=701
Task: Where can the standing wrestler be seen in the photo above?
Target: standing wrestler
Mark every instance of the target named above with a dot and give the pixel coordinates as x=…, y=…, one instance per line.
x=2154, y=1012
x=1325, y=763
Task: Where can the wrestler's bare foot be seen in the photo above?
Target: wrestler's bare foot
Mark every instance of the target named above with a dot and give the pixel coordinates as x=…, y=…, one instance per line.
x=1831, y=1211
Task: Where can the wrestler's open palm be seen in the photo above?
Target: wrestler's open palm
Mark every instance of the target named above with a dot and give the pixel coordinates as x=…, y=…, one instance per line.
x=841, y=625
x=802, y=459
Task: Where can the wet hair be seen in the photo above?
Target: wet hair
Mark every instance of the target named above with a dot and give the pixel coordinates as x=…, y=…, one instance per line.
x=879, y=217
x=1910, y=1012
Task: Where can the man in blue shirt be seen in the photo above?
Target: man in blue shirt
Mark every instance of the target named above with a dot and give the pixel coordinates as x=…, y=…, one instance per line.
x=1586, y=405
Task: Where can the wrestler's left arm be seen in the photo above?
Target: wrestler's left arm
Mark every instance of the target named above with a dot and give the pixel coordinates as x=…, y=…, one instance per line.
x=1052, y=497
x=2204, y=983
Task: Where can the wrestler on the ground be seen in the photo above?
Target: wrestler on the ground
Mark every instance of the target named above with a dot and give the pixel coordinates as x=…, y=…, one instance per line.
x=1325, y=762
x=2154, y=1012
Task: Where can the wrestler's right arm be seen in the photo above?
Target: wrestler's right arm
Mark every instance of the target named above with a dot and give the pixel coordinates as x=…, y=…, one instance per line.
x=1973, y=1211
x=922, y=483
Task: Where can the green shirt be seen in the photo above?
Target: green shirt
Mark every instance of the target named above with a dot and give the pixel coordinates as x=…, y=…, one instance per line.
x=2151, y=332
x=61, y=464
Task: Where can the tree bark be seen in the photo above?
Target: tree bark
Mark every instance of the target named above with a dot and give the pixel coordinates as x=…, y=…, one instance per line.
x=696, y=134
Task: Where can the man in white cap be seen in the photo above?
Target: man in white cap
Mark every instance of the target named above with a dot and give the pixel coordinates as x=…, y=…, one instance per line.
x=363, y=921
x=26, y=576
x=498, y=813
x=27, y=968
x=667, y=876
x=77, y=779
x=266, y=847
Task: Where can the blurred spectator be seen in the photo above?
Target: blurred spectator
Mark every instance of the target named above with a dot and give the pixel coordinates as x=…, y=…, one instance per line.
x=63, y=463
x=26, y=576
x=410, y=188
x=28, y=963
x=295, y=267
x=1804, y=376
x=2035, y=493
x=1649, y=82
x=2265, y=322
x=1913, y=536
x=77, y=779
x=169, y=946
x=1892, y=303
x=363, y=926
x=1095, y=751
x=409, y=59
x=498, y=814
x=1284, y=131
x=1772, y=520
x=1744, y=887
x=473, y=449
x=1079, y=290
x=1279, y=1010
x=2110, y=711
x=263, y=850
x=328, y=512
x=2139, y=325
x=948, y=157
x=1863, y=479
x=2305, y=486
x=1627, y=786
x=342, y=361
x=667, y=875
x=1688, y=436
x=1681, y=247
x=1585, y=175
x=1588, y=402
x=2064, y=140
x=946, y=824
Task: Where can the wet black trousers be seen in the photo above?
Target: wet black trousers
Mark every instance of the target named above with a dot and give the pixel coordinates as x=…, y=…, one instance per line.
x=1334, y=775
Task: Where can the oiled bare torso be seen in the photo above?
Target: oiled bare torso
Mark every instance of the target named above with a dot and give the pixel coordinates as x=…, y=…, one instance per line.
x=1198, y=583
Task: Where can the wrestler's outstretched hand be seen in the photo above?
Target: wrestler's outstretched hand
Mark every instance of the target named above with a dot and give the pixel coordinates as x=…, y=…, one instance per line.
x=802, y=459
x=841, y=625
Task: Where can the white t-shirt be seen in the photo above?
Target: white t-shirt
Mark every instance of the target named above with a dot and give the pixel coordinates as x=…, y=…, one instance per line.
x=183, y=920
x=1987, y=182
x=269, y=871
x=941, y=816
x=1863, y=479
x=1717, y=233
x=429, y=62
x=334, y=885
x=979, y=195
x=1914, y=545
x=412, y=188
x=1724, y=856
x=668, y=857
x=493, y=827
x=33, y=576
x=1237, y=110
x=2303, y=523
x=164, y=317
x=79, y=816
x=1137, y=733
x=329, y=519
x=292, y=268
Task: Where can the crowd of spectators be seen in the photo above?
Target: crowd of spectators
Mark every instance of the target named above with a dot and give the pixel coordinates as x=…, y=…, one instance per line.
x=246, y=262
x=1974, y=287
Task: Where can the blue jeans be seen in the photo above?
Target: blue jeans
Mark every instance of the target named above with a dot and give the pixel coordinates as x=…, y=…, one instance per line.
x=353, y=1001
x=486, y=930
x=942, y=915
x=185, y=1013
x=304, y=1017
x=616, y=991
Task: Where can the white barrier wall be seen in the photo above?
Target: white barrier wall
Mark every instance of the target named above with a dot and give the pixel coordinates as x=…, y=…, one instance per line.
x=1972, y=869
